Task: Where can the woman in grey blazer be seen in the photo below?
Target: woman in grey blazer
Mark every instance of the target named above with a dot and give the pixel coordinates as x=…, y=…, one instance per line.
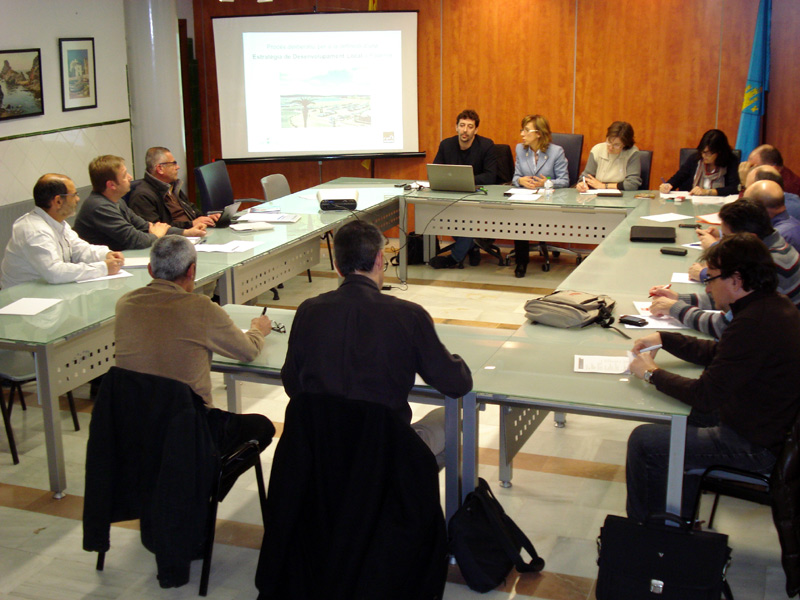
x=538, y=160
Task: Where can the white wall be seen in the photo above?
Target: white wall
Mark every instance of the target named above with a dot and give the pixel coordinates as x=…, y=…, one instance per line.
x=39, y=24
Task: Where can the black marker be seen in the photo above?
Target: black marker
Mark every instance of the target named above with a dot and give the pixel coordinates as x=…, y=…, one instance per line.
x=264, y=312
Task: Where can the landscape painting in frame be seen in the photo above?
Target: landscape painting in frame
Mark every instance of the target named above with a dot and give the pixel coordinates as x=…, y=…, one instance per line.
x=20, y=84
x=78, y=76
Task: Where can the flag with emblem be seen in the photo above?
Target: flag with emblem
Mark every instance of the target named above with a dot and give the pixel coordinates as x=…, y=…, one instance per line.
x=757, y=83
x=373, y=4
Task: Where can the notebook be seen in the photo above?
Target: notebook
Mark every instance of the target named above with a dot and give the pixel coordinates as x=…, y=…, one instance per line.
x=451, y=178
x=646, y=233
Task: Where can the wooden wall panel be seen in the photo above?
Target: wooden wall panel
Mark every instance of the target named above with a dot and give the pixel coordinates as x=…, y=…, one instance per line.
x=784, y=93
x=658, y=68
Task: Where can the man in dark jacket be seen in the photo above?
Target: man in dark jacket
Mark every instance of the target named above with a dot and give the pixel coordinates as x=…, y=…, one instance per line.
x=159, y=197
x=747, y=397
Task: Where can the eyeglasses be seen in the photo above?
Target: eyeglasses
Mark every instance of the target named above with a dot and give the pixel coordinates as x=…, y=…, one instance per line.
x=280, y=328
x=77, y=194
x=707, y=152
x=706, y=280
x=173, y=163
x=524, y=131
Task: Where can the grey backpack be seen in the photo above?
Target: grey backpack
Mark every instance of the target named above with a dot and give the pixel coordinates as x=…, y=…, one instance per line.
x=568, y=308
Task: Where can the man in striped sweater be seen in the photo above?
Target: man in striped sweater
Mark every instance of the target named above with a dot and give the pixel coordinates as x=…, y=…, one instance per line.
x=697, y=311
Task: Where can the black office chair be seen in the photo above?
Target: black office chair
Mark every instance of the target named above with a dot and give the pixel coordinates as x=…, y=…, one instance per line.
x=214, y=185
x=151, y=456
x=646, y=161
x=134, y=184
x=572, y=143
x=736, y=483
x=505, y=163
x=685, y=153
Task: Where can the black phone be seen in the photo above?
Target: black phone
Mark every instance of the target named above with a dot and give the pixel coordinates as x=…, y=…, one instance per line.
x=690, y=225
x=633, y=320
x=673, y=250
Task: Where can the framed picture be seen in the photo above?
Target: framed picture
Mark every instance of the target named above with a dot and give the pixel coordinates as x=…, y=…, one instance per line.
x=78, y=76
x=20, y=84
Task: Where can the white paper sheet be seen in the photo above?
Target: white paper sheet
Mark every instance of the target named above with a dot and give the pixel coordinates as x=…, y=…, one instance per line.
x=693, y=246
x=137, y=262
x=618, y=365
x=682, y=278
x=263, y=217
x=28, y=306
x=601, y=191
x=643, y=308
x=667, y=217
x=710, y=218
x=122, y=274
x=230, y=247
x=524, y=197
x=256, y=226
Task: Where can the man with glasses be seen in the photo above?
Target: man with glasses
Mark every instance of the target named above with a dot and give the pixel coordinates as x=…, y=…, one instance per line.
x=699, y=311
x=159, y=197
x=43, y=245
x=745, y=400
x=360, y=344
x=164, y=329
x=105, y=217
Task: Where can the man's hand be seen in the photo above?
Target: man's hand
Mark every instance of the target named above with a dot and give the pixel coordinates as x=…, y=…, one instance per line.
x=660, y=306
x=708, y=237
x=205, y=221
x=262, y=323
x=644, y=362
x=663, y=291
x=195, y=232
x=665, y=188
x=695, y=270
x=744, y=171
x=159, y=229
x=114, y=262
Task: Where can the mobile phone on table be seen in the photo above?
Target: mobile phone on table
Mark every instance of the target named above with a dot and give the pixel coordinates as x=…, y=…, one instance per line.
x=633, y=320
x=673, y=250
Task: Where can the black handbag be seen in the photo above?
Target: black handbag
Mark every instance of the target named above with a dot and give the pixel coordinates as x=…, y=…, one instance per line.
x=657, y=561
x=486, y=542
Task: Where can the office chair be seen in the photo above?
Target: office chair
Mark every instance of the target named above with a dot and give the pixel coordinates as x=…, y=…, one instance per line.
x=572, y=143
x=646, y=161
x=214, y=185
x=275, y=186
x=151, y=456
x=17, y=368
x=685, y=153
x=134, y=184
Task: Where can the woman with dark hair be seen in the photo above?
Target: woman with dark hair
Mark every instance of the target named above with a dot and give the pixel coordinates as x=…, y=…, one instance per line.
x=711, y=171
x=613, y=164
x=538, y=160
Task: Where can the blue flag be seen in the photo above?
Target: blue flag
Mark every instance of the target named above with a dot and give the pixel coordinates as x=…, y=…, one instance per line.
x=757, y=83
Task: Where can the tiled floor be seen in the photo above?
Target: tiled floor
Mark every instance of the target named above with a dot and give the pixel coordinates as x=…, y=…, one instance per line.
x=565, y=482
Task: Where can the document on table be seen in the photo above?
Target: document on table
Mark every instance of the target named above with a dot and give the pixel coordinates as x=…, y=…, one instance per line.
x=693, y=246
x=710, y=218
x=601, y=192
x=122, y=274
x=265, y=208
x=676, y=196
x=523, y=197
x=682, y=278
x=269, y=217
x=137, y=262
x=618, y=365
x=252, y=226
x=234, y=246
x=28, y=306
x=665, y=218
x=643, y=308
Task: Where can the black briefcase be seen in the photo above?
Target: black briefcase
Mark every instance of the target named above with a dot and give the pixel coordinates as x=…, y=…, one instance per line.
x=657, y=561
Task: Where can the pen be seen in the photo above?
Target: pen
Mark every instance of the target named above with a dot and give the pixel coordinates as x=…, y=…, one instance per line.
x=263, y=312
x=649, y=348
x=663, y=287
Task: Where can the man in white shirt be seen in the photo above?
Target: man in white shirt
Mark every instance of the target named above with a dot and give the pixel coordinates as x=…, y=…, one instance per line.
x=43, y=245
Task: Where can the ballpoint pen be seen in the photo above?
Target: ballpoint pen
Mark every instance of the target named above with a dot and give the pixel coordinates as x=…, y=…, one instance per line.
x=649, y=348
x=663, y=287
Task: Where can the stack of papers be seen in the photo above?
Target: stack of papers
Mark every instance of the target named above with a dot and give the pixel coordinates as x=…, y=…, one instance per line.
x=265, y=208
x=235, y=246
x=28, y=306
x=522, y=194
x=602, y=192
x=252, y=226
x=268, y=217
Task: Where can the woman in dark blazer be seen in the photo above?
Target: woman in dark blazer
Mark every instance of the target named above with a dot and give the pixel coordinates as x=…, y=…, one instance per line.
x=711, y=171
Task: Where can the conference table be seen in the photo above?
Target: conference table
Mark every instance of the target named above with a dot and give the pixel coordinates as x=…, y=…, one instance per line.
x=563, y=216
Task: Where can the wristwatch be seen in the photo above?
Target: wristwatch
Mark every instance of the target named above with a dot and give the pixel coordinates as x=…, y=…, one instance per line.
x=648, y=375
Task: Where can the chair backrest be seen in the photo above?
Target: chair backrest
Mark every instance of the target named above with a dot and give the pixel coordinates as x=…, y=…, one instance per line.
x=572, y=143
x=214, y=185
x=685, y=153
x=275, y=186
x=646, y=161
x=134, y=184
x=505, y=163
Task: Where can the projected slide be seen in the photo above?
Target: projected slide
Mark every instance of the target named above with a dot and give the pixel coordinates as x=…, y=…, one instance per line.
x=311, y=92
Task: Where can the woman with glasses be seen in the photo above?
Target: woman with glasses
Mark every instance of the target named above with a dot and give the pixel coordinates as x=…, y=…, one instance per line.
x=538, y=160
x=613, y=164
x=711, y=171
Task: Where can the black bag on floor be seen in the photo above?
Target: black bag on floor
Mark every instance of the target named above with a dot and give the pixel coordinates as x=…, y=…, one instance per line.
x=414, y=250
x=486, y=542
x=656, y=561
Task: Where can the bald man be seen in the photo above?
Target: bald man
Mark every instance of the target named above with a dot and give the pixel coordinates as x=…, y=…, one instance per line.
x=770, y=194
x=43, y=245
x=769, y=155
x=768, y=172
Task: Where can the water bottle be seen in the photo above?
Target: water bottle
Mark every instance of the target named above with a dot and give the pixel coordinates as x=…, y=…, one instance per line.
x=548, y=188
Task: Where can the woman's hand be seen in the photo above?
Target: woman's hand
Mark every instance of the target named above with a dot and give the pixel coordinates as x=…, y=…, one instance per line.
x=594, y=183
x=665, y=188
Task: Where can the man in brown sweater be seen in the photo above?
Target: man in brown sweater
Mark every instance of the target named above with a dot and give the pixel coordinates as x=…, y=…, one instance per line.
x=747, y=397
x=164, y=329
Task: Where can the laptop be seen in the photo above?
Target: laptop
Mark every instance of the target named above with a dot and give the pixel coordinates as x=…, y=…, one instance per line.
x=227, y=214
x=451, y=178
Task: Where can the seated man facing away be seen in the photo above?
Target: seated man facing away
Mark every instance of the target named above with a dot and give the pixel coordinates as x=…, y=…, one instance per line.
x=164, y=329
x=159, y=197
x=751, y=378
x=43, y=245
x=742, y=216
x=360, y=344
x=768, y=155
x=105, y=217
x=466, y=148
x=770, y=194
x=769, y=173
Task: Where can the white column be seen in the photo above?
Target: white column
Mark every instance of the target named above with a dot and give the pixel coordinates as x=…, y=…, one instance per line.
x=154, y=80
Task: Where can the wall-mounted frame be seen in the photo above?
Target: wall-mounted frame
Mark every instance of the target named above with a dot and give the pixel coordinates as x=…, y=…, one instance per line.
x=78, y=74
x=20, y=84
